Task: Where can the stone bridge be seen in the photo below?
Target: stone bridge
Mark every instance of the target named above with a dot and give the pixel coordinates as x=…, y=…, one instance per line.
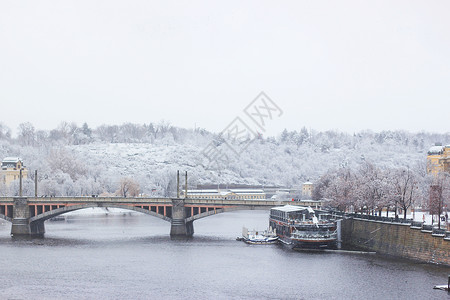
x=28, y=215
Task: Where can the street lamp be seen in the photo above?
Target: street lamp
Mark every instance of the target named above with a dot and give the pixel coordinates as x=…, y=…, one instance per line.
x=20, y=182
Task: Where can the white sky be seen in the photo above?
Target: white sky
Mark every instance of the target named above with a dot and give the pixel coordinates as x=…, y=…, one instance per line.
x=345, y=65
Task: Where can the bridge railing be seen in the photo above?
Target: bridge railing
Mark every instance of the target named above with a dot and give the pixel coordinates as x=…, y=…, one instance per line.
x=372, y=218
x=252, y=202
x=98, y=199
x=236, y=202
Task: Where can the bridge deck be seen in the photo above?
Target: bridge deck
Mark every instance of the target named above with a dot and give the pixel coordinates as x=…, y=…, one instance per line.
x=157, y=201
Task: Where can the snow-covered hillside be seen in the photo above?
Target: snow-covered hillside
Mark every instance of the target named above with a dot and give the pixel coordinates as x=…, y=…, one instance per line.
x=79, y=160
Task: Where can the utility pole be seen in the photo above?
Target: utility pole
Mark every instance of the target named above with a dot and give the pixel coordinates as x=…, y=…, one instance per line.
x=185, y=186
x=178, y=184
x=35, y=184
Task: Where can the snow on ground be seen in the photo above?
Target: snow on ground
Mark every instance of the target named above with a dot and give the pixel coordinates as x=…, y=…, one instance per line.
x=424, y=217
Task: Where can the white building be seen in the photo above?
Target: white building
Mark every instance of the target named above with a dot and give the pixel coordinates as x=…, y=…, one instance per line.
x=228, y=194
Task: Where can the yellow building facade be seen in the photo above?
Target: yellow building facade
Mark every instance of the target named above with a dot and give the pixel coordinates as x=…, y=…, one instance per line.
x=438, y=159
x=10, y=170
x=307, y=189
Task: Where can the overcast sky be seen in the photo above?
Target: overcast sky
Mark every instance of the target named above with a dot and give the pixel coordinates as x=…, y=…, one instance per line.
x=340, y=65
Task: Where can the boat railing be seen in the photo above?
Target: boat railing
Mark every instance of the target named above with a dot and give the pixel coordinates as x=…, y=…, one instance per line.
x=297, y=221
x=314, y=234
x=267, y=233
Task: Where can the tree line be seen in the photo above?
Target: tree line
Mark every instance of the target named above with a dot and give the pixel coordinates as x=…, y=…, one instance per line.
x=82, y=160
x=373, y=190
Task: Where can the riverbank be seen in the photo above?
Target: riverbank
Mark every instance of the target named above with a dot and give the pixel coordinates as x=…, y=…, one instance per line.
x=397, y=240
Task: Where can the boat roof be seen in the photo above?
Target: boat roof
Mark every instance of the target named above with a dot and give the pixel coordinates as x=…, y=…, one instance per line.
x=291, y=208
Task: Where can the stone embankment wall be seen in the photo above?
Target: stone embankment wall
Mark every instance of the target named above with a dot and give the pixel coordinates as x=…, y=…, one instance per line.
x=400, y=240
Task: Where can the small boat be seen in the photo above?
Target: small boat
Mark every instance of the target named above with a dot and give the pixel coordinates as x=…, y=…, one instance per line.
x=255, y=237
x=443, y=287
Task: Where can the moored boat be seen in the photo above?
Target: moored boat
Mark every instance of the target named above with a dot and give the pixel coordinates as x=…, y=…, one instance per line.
x=259, y=237
x=303, y=228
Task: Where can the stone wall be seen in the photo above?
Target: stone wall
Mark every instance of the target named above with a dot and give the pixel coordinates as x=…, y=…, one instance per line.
x=398, y=240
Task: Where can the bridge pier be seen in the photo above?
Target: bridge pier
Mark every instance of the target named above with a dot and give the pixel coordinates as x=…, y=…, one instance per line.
x=21, y=215
x=21, y=226
x=179, y=227
x=37, y=228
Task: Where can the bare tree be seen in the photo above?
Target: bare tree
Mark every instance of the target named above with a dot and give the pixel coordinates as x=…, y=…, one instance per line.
x=5, y=132
x=439, y=193
x=405, y=189
x=370, y=188
x=385, y=200
x=27, y=134
x=128, y=187
x=321, y=185
x=340, y=191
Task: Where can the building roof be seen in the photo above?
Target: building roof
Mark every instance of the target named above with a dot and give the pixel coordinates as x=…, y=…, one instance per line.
x=226, y=192
x=247, y=191
x=11, y=159
x=208, y=192
x=435, y=150
x=203, y=191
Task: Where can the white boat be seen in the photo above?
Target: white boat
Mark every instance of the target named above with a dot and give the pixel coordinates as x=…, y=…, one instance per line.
x=259, y=237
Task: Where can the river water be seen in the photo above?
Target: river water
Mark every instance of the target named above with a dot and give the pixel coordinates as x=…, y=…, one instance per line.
x=131, y=256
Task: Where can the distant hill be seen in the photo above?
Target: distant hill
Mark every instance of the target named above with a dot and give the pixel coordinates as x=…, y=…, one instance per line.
x=80, y=160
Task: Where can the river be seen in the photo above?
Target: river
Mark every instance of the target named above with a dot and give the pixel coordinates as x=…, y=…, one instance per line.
x=131, y=256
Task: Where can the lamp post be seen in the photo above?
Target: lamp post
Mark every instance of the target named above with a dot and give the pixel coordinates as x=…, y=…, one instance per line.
x=20, y=182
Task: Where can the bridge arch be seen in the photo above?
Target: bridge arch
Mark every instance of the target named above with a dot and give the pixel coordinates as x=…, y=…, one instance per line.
x=218, y=211
x=205, y=214
x=2, y=216
x=66, y=209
